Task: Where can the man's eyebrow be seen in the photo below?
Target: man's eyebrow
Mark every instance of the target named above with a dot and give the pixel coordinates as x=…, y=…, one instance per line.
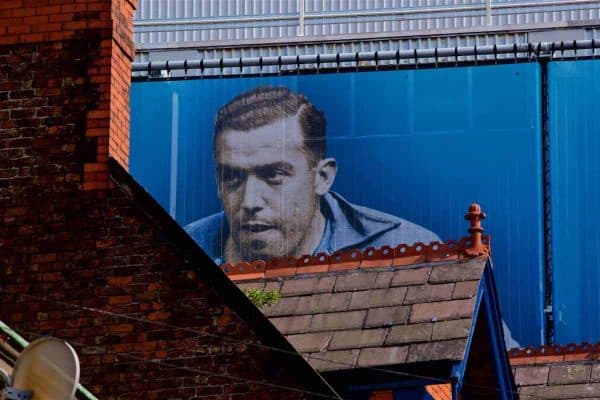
x=223, y=169
x=276, y=165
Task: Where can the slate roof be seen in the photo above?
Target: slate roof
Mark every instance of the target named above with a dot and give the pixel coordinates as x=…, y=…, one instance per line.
x=377, y=316
x=572, y=372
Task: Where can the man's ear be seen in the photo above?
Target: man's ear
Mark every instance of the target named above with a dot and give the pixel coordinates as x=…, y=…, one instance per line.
x=325, y=175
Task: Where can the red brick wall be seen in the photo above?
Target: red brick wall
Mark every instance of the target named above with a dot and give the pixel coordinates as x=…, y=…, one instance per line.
x=67, y=237
x=110, y=24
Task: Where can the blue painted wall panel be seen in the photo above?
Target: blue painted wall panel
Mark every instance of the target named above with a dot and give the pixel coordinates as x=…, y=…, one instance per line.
x=574, y=96
x=421, y=144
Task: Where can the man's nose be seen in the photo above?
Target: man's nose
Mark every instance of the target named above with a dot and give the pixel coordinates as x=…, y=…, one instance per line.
x=252, y=197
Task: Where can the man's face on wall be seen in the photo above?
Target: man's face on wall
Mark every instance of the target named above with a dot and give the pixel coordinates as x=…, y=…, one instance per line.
x=267, y=185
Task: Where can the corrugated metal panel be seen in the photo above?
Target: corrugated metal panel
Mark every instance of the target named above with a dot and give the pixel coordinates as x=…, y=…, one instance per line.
x=230, y=20
x=575, y=173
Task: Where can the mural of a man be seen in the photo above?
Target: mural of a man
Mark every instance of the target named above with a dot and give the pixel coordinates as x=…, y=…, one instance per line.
x=274, y=180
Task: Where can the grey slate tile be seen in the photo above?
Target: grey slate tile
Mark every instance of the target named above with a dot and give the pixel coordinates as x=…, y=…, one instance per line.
x=337, y=321
x=310, y=342
x=465, y=290
x=357, y=338
x=441, y=311
x=381, y=356
x=355, y=281
x=383, y=280
x=292, y=324
x=458, y=272
x=569, y=374
x=446, y=350
x=581, y=391
x=455, y=329
x=285, y=306
x=412, y=333
x=532, y=375
x=294, y=287
x=387, y=316
x=325, y=284
x=273, y=285
x=377, y=298
x=251, y=285
x=541, y=392
x=595, y=373
x=429, y=293
x=323, y=303
x=333, y=360
x=411, y=276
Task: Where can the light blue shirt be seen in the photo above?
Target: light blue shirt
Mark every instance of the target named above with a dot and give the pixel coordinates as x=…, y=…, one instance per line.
x=347, y=226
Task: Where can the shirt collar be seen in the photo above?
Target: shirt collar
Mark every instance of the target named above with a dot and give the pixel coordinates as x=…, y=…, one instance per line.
x=349, y=226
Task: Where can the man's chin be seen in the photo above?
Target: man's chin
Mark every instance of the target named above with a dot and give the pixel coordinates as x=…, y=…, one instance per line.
x=260, y=250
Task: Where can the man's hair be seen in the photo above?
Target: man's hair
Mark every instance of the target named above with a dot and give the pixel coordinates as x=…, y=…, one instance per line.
x=266, y=104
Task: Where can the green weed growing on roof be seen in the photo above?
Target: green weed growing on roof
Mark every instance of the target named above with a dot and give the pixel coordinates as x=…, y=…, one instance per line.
x=261, y=297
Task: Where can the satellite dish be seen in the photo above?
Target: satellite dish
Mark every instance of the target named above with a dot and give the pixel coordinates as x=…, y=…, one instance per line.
x=49, y=367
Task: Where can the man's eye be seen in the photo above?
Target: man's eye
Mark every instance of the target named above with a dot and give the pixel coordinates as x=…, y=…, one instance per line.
x=275, y=176
x=232, y=177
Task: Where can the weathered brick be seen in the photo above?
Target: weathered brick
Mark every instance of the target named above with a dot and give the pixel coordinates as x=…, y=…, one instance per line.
x=51, y=95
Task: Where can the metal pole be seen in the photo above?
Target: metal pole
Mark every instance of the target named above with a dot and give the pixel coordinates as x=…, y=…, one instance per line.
x=548, y=338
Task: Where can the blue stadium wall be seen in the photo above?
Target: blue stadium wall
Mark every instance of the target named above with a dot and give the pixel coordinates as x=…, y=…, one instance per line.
x=423, y=144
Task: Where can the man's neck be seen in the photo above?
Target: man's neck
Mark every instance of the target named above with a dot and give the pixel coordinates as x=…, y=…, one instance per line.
x=314, y=235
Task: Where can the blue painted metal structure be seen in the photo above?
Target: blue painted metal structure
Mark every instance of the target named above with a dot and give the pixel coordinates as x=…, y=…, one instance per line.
x=487, y=307
x=574, y=128
x=420, y=144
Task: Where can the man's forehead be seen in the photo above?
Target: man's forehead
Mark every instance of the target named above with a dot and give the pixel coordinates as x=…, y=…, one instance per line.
x=281, y=134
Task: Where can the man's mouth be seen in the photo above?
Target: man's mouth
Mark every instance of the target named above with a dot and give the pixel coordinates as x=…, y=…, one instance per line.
x=256, y=227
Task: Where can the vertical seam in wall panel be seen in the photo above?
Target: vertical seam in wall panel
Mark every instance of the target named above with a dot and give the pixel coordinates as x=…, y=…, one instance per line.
x=547, y=204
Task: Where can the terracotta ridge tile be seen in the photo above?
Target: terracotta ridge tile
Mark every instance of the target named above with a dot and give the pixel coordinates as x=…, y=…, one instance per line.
x=385, y=256
x=475, y=246
x=554, y=353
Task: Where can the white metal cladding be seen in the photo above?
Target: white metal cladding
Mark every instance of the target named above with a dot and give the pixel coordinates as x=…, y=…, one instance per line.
x=159, y=22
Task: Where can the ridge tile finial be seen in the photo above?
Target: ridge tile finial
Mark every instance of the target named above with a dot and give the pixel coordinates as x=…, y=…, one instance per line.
x=476, y=248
